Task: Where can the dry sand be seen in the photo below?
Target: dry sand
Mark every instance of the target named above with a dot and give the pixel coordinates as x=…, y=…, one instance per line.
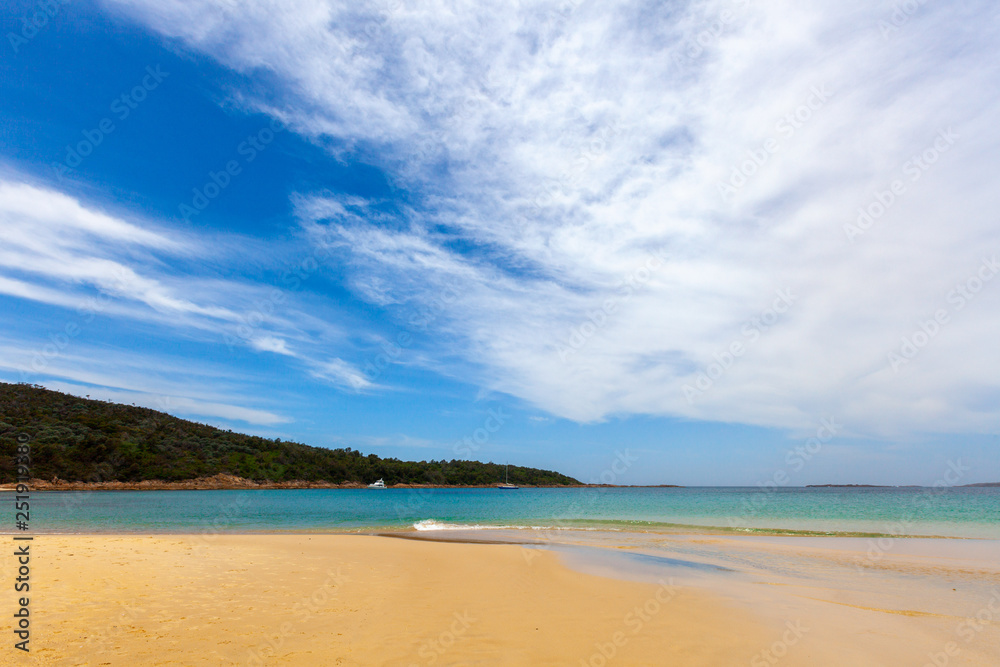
x=365, y=600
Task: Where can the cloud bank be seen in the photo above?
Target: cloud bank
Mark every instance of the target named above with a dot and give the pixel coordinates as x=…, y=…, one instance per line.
x=733, y=211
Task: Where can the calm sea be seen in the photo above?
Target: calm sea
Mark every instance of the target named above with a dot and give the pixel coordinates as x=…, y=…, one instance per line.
x=968, y=512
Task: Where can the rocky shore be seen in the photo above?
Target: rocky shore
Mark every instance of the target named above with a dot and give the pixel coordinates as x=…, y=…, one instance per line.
x=220, y=481
x=226, y=482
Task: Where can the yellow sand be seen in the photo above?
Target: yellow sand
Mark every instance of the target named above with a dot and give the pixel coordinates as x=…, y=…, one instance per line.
x=363, y=600
x=356, y=600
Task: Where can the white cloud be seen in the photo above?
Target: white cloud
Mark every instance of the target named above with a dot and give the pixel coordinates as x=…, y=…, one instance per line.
x=342, y=373
x=49, y=235
x=178, y=405
x=115, y=277
x=271, y=344
x=172, y=385
x=61, y=252
x=27, y=208
x=565, y=142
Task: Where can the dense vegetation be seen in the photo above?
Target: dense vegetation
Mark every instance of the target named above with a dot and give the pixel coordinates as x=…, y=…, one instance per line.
x=77, y=439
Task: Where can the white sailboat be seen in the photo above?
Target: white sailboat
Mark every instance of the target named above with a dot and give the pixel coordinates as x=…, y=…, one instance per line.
x=506, y=482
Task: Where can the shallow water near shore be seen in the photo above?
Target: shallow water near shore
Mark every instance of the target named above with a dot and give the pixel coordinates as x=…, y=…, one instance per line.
x=860, y=512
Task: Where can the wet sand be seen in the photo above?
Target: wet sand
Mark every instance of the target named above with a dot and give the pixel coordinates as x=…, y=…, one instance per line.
x=627, y=600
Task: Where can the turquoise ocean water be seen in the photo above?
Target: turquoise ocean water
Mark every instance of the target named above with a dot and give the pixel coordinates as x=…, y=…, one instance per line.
x=957, y=512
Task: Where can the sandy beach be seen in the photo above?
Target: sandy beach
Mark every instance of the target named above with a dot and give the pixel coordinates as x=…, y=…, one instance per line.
x=499, y=334
x=354, y=600
x=370, y=600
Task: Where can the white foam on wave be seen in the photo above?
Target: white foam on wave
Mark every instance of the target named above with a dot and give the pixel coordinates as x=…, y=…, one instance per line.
x=431, y=524
x=434, y=524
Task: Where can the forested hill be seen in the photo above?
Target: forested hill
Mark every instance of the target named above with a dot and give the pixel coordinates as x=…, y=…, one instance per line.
x=76, y=439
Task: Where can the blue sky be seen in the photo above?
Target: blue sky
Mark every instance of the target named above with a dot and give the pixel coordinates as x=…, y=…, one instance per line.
x=735, y=239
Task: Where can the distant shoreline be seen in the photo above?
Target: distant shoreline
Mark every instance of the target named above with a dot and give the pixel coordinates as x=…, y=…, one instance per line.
x=224, y=482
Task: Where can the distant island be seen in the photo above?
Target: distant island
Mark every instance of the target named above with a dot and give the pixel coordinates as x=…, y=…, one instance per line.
x=859, y=486
x=894, y=486
x=78, y=443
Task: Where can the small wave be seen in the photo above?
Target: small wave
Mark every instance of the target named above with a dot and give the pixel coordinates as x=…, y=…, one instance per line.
x=434, y=524
x=431, y=524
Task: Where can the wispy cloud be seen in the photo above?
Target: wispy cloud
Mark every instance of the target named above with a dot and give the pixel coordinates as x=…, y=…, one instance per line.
x=551, y=147
x=67, y=253
x=162, y=383
x=175, y=404
x=95, y=267
x=50, y=237
x=342, y=373
x=271, y=344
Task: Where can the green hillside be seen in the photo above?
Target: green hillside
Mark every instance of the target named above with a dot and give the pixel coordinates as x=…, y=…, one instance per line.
x=83, y=440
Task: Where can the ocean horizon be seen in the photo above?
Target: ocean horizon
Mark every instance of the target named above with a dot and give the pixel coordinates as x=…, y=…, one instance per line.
x=954, y=512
